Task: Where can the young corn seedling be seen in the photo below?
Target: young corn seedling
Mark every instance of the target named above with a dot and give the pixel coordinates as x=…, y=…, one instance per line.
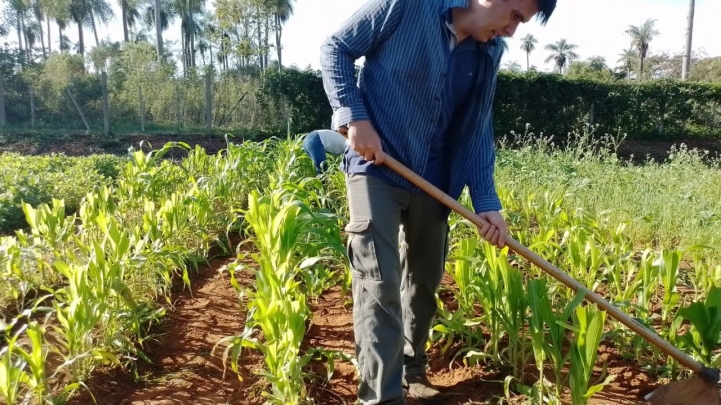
x=649, y=279
x=668, y=262
x=587, y=327
x=35, y=377
x=13, y=374
x=78, y=314
x=703, y=337
x=584, y=257
x=548, y=333
x=512, y=313
x=705, y=274
x=287, y=234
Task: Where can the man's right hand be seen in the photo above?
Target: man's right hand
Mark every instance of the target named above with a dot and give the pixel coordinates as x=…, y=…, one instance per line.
x=365, y=141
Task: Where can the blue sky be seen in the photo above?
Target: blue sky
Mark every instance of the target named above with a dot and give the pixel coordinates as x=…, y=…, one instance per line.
x=596, y=26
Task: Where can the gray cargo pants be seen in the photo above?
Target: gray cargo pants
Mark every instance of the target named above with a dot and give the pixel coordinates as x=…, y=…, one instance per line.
x=397, y=243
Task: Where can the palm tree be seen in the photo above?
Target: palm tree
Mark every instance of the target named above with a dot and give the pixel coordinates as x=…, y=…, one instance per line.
x=282, y=10
x=641, y=36
x=79, y=15
x=20, y=10
x=159, y=28
x=689, y=35
x=59, y=12
x=32, y=29
x=188, y=11
x=124, y=18
x=40, y=16
x=562, y=53
x=528, y=45
x=104, y=13
x=208, y=30
x=133, y=22
x=157, y=10
x=83, y=12
x=627, y=59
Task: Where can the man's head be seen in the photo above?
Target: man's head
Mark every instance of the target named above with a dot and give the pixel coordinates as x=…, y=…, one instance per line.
x=486, y=19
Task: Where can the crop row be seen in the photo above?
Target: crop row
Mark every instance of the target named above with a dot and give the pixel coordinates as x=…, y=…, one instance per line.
x=88, y=287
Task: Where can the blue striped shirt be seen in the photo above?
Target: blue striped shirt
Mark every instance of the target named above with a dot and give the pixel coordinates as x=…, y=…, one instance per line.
x=400, y=91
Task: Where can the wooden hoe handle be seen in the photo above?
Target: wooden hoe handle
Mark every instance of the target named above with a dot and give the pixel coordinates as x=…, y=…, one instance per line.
x=708, y=374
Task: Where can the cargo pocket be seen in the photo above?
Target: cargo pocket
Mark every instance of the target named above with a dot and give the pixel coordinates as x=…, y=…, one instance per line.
x=362, y=250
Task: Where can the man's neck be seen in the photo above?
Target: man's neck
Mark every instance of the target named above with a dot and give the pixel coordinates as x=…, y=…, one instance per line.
x=456, y=15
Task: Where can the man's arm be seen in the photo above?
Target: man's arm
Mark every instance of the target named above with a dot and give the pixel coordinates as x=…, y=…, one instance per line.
x=365, y=30
x=481, y=183
x=482, y=186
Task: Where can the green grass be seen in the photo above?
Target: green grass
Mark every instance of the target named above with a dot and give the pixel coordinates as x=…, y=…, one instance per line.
x=669, y=204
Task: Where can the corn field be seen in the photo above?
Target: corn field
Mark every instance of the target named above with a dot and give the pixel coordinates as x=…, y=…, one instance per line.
x=83, y=290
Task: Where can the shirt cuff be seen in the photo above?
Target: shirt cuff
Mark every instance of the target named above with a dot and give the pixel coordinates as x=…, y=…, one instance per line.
x=346, y=115
x=487, y=203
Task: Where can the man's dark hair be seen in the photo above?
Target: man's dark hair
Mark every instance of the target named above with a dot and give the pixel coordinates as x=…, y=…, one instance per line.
x=545, y=9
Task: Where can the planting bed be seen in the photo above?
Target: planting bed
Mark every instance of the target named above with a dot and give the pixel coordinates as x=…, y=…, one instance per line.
x=186, y=373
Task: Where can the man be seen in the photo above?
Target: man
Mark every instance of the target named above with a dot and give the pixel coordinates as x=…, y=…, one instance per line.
x=424, y=96
x=318, y=142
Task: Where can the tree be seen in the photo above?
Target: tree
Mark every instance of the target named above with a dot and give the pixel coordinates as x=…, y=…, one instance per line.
x=189, y=11
x=641, y=37
x=83, y=12
x=282, y=10
x=158, y=29
x=208, y=32
x=561, y=53
x=58, y=11
x=593, y=68
x=689, y=35
x=706, y=70
x=627, y=59
x=156, y=10
x=513, y=66
x=669, y=66
x=528, y=45
x=40, y=16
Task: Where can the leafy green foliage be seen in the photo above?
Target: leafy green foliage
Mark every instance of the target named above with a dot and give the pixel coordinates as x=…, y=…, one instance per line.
x=37, y=179
x=705, y=318
x=557, y=105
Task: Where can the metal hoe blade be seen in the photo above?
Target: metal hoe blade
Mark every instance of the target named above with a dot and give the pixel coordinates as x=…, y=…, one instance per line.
x=691, y=391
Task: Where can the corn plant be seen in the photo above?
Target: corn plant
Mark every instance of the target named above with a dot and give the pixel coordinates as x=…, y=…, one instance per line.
x=79, y=313
x=587, y=327
x=13, y=372
x=288, y=236
x=705, y=319
x=548, y=333
x=584, y=256
x=512, y=313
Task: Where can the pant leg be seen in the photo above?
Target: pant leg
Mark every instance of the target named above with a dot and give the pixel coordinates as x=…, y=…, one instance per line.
x=375, y=216
x=424, y=246
x=314, y=148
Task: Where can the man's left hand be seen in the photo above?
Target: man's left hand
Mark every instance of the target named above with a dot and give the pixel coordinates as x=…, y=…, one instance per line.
x=495, y=231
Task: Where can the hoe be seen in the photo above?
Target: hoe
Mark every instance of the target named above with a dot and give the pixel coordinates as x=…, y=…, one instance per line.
x=693, y=391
